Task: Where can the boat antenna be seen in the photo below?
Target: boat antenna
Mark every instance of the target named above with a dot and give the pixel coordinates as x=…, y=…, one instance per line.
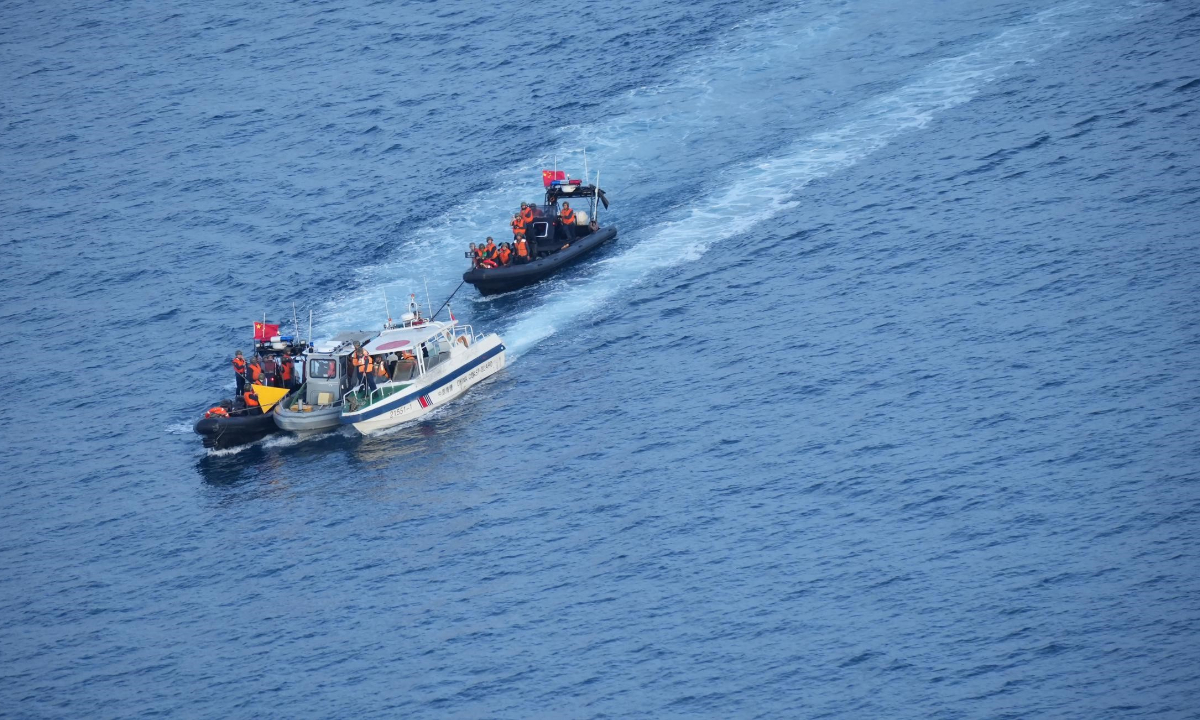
x=385, y=306
x=428, y=302
x=310, y=326
x=295, y=321
x=585, y=170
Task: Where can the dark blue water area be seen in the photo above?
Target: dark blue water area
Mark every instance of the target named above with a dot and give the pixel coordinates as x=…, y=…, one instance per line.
x=883, y=403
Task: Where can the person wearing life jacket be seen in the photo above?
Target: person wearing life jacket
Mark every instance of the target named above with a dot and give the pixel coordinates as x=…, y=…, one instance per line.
x=526, y=213
x=381, y=371
x=286, y=371
x=476, y=255
x=251, y=400
x=521, y=250
x=567, y=216
x=217, y=411
x=363, y=363
x=239, y=371
x=504, y=254
x=255, y=368
x=518, y=226
x=489, y=254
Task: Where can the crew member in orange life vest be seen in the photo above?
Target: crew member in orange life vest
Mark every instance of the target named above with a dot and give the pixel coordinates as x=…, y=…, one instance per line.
x=251, y=400
x=362, y=362
x=489, y=254
x=567, y=215
x=286, y=368
x=521, y=250
x=503, y=255
x=255, y=370
x=526, y=213
x=518, y=226
x=476, y=255
x=239, y=371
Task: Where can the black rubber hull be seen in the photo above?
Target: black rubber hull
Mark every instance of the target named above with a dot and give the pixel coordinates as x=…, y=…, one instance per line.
x=503, y=279
x=224, y=432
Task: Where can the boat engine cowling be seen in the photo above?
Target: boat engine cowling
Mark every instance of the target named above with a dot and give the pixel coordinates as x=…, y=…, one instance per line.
x=581, y=217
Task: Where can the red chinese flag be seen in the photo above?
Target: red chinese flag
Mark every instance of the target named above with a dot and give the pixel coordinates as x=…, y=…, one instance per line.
x=549, y=176
x=265, y=331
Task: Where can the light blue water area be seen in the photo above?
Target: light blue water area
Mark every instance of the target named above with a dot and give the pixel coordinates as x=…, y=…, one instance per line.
x=883, y=403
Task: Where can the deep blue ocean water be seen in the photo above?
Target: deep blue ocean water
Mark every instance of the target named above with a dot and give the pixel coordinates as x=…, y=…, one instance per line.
x=884, y=403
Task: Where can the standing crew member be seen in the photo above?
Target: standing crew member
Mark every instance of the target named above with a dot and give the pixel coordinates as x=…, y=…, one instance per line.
x=522, y=250
x=476, y=254
x=568, y=220
x=363, y=364
x=239, y=371
x=518, y=226
x=286, y=367
x=526, y=213
x=255, y=369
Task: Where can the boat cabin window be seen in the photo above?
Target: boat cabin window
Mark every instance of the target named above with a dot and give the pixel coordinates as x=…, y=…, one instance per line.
x=322, y=369
x=541, y=229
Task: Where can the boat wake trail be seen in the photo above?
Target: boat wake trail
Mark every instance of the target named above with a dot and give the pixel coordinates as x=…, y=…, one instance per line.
x=767, y=187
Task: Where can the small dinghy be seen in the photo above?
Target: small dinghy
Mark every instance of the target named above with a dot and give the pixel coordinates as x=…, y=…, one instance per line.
x=231, y=423
x=552, y=244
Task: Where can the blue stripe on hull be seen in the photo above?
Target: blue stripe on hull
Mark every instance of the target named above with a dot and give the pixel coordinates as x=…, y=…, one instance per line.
x=389, y=406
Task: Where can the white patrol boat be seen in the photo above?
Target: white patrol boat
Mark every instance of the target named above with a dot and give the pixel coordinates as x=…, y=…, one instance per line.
x=419, y=365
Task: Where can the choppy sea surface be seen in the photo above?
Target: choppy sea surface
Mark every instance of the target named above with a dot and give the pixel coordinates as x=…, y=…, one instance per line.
x=883, y=404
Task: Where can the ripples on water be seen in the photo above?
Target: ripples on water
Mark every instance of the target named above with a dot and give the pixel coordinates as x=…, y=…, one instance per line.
x=883, y=403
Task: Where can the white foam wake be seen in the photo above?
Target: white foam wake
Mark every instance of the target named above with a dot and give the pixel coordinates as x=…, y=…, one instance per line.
x=766, y=188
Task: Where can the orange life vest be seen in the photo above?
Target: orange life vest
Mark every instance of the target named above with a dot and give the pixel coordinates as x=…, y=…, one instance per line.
x=218, y=411
x=527, y=214
x=363, y=363
x=518, y=226
x=479, y=254
x=285, y=368
x=505, y=254
x=239, y=365
x=250, y=398
x=567, y=216
x=522, y=251
x=255, y=372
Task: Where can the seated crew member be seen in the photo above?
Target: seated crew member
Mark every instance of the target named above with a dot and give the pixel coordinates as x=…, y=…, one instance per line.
x=489, y=254
x=567, y=215
x=504, y=254
x=406, y=366
x=251, y=400
x=381, y=371
x=518, y=226
x=521, y=250
x=239, y=371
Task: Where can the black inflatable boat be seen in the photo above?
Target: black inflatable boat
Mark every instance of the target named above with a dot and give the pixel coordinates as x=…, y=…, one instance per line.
x=552, y=246
x=237, y=428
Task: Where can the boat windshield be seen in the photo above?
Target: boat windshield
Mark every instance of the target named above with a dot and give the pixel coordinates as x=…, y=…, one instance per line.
x=322, y=368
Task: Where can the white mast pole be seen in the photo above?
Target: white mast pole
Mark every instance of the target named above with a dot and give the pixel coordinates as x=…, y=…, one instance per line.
x=596, y=201
x=428, y=302
x=585, y=168
x=310, y=326
x=385, y=306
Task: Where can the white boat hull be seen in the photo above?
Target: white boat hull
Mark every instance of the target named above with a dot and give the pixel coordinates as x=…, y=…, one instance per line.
x=448, y=380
